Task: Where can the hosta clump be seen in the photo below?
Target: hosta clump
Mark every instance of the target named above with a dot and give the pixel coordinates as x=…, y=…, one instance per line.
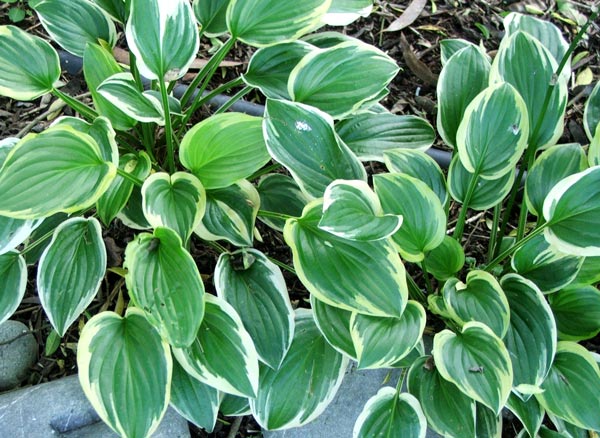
x=512, y=322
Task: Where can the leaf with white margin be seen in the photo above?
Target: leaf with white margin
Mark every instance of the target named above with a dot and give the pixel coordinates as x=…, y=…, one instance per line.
x=449, y=412
x=480, y=299
x=122, y=361
x=230, y=214
x=196, y=401
x=594, y=149
x=344, y=12
x=334, y=325
x=381, y=342
x=267, y=22
x=487, y=423
x=352, y=210
x=224, y=148
x=477, y=362
x=565, y=429
x=370, y=136
x=529, y=412
x=589, y=273
x=333, y=79
x=591, y=112
x=303, y=139
x=117, y=9
x=531, y=336
x=572, y=388
x=333, y=268
x=571, y=210
x=75, y=23
x=234, y=406
x=30, y=66
x=450, y=46
x=211, y=14
x=424, y=220
x=305, y=383
x=258, y=292
x=163, y=36
x=391, y=415
x=493, y=132
x=70, y=271
x=279, y=193
x=175, y=201
x=223, y=354
x=13, y=281
x=163, y=279
x=132, y=215
x=577, y=312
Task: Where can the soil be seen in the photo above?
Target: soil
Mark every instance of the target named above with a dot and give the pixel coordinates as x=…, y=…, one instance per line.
x=417, y=51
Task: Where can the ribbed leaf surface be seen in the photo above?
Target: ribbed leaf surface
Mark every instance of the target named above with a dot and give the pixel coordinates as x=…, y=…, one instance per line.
x=13, y=281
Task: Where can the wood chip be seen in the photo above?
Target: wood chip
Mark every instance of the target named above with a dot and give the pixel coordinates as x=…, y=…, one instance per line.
x=411, y=13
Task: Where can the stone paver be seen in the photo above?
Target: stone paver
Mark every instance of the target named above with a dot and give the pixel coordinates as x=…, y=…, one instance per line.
x=18, y=352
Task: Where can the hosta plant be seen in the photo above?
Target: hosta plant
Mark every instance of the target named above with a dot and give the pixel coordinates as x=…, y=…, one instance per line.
x=507, y=329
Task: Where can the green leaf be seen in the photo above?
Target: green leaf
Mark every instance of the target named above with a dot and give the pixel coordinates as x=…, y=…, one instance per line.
x=577, y=312
x=175, y=201
x=450, y=46
x=381, y=342
x=546, y=266
x=529, y=412
x=549, y=168
x=132, y=215
x=75, y=23
x=16, y=14
x=230, y=214
x=163, y=280
x=270, y=67
x=234, y=406
x=418, y=165
x=493, y=132
x=280, y=194
x=333, y=79
x=448, y=411
x=223, y=354
x=399, y=415
x=39, y=239
x=163, y=36
x=521, y=57
x=223, y=149
x=594, y=149
x=351, y=210
x=343, y=12
x=589, y=273
x=480, y=299
x=70, y=271
x=333, y=268
x=211, y=15
x=334, y=325
x=302, y=138
x=591, y=113
x=464, y=75
x=487, y=423
x=117, y=9
x=404, y=195
x=257, y=291
x=477, y=362
x=197, y=402
x=29, y=66
x=270, y=22
x=445, y=260
x=531, y=336
x=123, y=361
x=305, y=383
x=571, y=210
x=572, y=388
x=14, y=232
x=13, y=281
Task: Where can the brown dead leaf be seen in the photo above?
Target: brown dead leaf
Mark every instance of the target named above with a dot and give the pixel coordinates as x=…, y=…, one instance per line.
x=419, y=68
x=122, y=56
x=411, y=13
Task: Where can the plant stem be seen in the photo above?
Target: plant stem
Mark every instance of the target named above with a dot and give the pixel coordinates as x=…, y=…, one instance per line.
x=275, y=215
x=264, y=171
x=168, y=127
x=81, y=108
x=414, y=291
x=426, y=277
x=513, y=248
x=460, y=223
x=129, y=177
x=37, y=242
x=494, y=232
x=233, y=99
x=282, y=265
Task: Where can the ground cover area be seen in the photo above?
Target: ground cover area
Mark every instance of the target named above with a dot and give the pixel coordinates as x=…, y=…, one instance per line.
x=417, y=50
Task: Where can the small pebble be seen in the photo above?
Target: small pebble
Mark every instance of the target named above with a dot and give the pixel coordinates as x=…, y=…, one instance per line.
x=18, y=353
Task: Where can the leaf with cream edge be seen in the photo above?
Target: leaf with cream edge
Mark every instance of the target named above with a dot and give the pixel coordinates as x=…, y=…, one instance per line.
x=531, y=336
x=477, y=362
x=224, y=148
x=279, y=193
x=382, y=342
x=332, y=267
x=163, y=279
x=57, y=170
x=122, y=361
x=30, y=66
x=13, y=281
x=70, y=271
x=591, y=113
x=344, y=12
x=175, y=201
x=529, y=412
x=303, y=139
x=594, y=149
x=572, y=389
x=332, y=79
x=223, y=353
x=487, y=423
x=334, y=325
x=75, y=23
x=259, y=294
x=234, y=406
x=577, y=312
x=450, y=46
x=424, y=221
x=117, y=9
x=211, y=14
x=571, y=210
x=389, y=414
x=305, y=383
x=351, y=210
x=163, y=36
x=261, y=23
x=480, y=299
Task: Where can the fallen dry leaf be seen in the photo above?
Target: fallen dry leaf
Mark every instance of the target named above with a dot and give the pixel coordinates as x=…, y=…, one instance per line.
x=411, y=13
x=419, y=68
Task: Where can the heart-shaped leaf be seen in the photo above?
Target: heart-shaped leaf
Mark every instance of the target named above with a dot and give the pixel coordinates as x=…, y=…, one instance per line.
x=445, y=260
x=577, y=312
x=334, y=325
x=13, y=281
x=211, y=15
x=280, y=194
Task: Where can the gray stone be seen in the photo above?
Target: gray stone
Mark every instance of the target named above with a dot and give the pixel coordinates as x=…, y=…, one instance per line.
x=18, y=353
x=60, y=409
